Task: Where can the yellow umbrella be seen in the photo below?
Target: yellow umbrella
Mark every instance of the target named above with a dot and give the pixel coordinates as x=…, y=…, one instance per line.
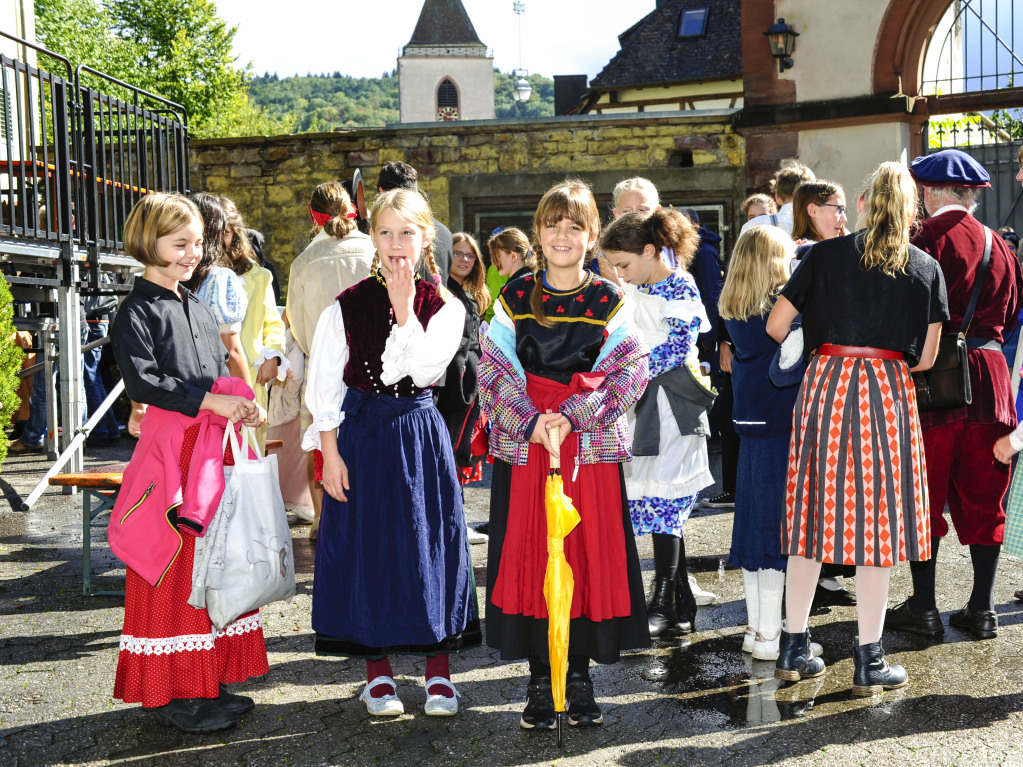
x=558, y=583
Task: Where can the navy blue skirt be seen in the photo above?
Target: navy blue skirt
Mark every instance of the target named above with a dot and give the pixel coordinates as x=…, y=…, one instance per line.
x=393, y=572
x=760, y=503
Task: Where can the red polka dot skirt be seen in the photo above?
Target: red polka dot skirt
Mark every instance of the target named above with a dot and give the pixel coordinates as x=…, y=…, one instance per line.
x=170, y=649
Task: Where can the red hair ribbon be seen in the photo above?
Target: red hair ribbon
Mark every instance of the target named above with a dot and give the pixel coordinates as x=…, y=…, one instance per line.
x=320, y=219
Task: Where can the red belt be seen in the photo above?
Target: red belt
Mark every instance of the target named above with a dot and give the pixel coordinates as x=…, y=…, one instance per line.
x=834, y=350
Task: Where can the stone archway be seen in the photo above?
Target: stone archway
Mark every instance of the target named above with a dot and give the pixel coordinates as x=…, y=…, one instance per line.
x=901, y=45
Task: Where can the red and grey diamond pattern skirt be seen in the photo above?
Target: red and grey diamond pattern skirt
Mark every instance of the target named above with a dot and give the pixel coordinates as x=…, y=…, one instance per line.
x=857, y=484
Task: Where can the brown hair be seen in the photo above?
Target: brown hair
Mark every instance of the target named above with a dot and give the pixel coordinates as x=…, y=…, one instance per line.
x=514, y=241
x=154, y=216
x=411, y=206
x=787, y=179
x=664, y=228
x=331, y=199
x=758, y=199
x=239, y=257
x=571, y=199
x=808, y=193
x=476, y=282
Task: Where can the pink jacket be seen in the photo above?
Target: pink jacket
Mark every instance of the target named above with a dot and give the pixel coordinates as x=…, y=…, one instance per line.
x=152, y=510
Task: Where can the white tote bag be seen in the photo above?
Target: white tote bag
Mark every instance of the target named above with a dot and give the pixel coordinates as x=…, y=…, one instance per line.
x=258, y=563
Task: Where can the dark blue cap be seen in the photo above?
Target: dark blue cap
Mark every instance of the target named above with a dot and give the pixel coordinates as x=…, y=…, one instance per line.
x=949, y=167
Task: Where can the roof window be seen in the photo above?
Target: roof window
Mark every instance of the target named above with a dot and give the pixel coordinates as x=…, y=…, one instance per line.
x=693, y=23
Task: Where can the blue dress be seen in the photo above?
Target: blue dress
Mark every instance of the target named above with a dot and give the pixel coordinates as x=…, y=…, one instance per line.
x=393, y=573
x=763, y=419
x=663, y=489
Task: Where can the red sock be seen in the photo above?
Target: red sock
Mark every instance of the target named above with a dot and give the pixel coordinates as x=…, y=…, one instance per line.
x=375, y=668
x=438, y=666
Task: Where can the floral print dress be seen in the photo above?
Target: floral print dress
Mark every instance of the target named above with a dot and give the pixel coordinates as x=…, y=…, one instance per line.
x=663, y=488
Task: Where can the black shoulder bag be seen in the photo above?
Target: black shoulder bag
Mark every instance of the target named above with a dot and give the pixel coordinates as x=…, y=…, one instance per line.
x=947, y=384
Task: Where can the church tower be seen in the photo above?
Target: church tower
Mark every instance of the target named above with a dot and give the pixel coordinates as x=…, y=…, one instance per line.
x=445, y=72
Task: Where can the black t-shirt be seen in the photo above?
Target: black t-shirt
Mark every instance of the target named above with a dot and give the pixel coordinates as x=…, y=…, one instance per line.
x=843, y=303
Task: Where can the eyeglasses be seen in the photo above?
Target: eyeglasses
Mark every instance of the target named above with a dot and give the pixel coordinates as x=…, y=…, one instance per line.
x=840, y=208
x=464, y=255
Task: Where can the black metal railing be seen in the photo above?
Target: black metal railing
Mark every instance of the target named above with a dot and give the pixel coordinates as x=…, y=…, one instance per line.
x=77, y=150
x=977, y=51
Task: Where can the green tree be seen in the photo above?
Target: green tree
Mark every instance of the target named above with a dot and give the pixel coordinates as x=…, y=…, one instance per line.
x=178, y=49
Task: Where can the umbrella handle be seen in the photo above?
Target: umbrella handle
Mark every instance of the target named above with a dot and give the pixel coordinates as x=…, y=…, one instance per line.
x=555, y=437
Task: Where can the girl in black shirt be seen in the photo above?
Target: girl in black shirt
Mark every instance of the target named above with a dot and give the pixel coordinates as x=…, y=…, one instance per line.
x=872, y=308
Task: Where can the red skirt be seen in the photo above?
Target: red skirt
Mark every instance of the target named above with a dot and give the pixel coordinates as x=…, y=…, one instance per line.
x=595, y=549
x=170, y=649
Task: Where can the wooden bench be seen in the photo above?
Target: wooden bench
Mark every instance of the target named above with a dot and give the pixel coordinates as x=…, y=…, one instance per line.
x=99, y=493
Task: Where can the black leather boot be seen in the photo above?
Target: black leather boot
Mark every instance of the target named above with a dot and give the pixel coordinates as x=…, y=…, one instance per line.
x=795, y=659
x=873, y=673
x=685, y=603
x=660, y=612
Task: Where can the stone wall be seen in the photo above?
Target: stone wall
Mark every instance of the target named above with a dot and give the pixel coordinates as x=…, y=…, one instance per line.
x=501, y=166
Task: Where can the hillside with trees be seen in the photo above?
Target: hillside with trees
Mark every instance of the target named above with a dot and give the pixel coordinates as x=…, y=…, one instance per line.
x=324, y=102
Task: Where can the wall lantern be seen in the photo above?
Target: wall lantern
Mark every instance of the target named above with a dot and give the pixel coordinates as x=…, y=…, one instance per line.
x=782, y=38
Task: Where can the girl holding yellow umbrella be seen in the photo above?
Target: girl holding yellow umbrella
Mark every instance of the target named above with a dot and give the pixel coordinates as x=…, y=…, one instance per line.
x=561, y=364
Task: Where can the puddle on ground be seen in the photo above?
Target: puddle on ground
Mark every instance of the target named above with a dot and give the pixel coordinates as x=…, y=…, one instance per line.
x=717, y=685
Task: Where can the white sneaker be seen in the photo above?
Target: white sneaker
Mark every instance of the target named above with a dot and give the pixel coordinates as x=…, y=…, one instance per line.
x=475, y=536
x=441, y=705
x=748, y=639
x=386, y=705
x=766, y=649
x=703, y=598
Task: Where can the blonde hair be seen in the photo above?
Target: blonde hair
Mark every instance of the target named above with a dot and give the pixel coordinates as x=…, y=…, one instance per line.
x=154, y=216
x=637, y=184
x=759, y=267
x=410, y=206
x=514, y=241
x=790, y=176
x=891, y=201
x=571, y=199
x=332, y=200
x=476, y=282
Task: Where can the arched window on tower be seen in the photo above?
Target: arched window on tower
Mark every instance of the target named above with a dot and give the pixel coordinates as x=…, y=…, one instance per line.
x=447, y=101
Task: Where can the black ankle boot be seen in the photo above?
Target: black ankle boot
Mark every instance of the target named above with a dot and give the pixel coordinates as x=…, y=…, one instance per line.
x=660, y=612
x=685, y=603
x=795, y=659
x=873, y=673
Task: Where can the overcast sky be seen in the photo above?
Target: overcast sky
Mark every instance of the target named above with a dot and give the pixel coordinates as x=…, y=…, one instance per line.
x=559, y=37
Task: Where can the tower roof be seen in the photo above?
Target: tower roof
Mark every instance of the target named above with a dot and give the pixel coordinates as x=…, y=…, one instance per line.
x=444, y=22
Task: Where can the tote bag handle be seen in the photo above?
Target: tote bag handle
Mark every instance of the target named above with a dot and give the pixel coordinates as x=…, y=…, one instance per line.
x=248, y=437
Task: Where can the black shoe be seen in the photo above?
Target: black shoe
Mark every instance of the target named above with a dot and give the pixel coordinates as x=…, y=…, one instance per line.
x=484, y=528
x=840, y=597
x=981, y=624
x=582, y=708
x=234, y=704
x=660, y=613
x=722, y=501
x=539, y=711
x=796, y=660
x=685, y=603
x=926, y=624
x=873, y=673
x=194, y=715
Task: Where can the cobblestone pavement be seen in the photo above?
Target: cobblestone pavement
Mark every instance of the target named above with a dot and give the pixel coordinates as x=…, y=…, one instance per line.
x=693, y=701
